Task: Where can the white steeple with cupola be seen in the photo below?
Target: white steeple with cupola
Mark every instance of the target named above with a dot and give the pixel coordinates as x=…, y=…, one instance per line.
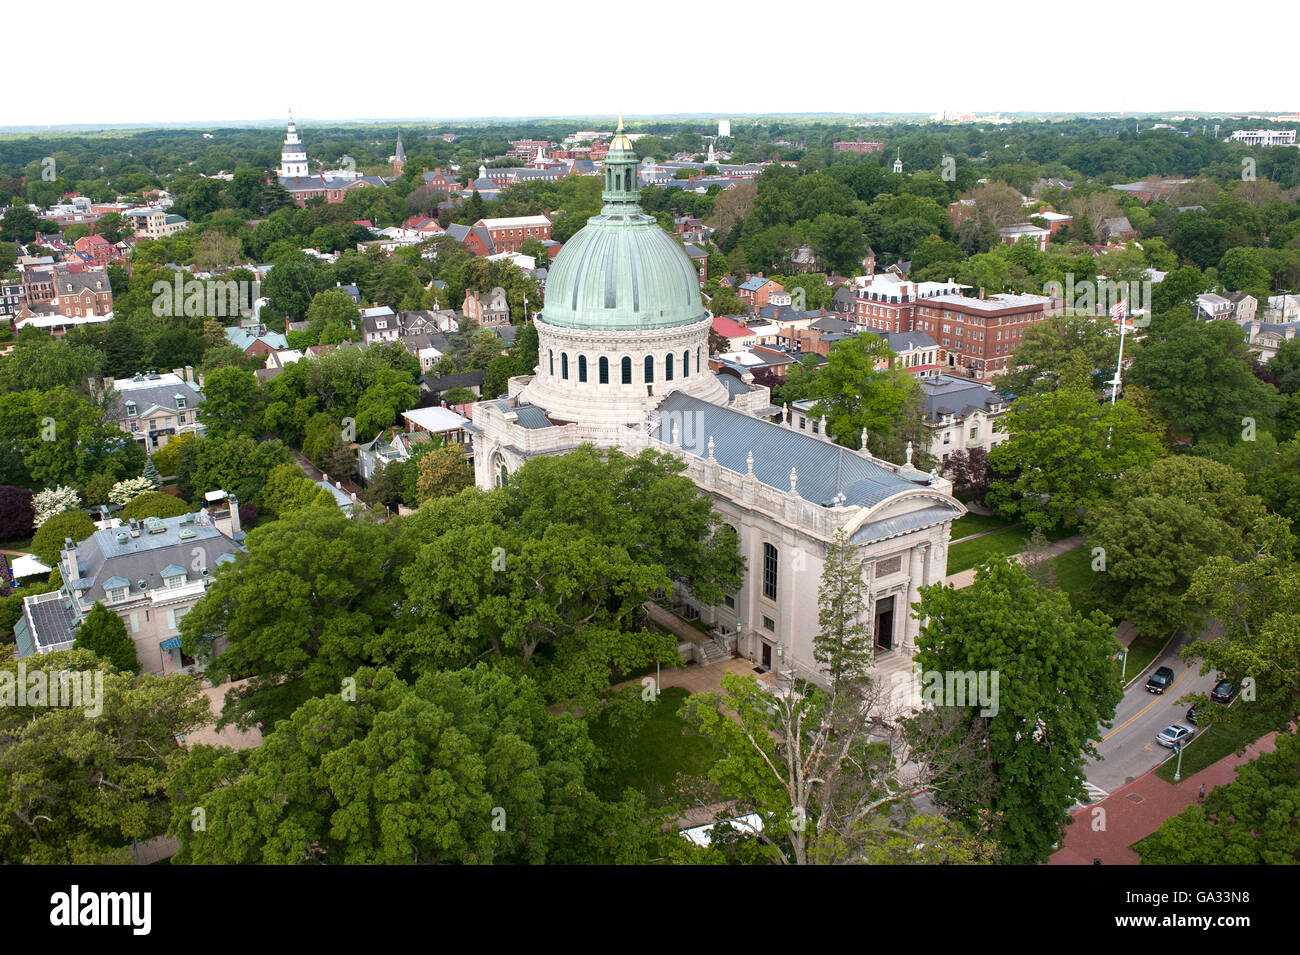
x=293, y=155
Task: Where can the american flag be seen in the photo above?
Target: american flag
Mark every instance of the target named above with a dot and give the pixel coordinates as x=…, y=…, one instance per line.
x=1118, y=309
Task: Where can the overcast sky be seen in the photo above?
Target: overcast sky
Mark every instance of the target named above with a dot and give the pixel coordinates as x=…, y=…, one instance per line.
x=146, y=61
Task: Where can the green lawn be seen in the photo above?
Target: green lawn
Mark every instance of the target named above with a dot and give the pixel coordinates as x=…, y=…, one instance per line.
x=964, y=556
x=23, y=544
x=1216, y=741
x=648, y=753
x=972, y=523
x=1141, y=653
x=1074, y=575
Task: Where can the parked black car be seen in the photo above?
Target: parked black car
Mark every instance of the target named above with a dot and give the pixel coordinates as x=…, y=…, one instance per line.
x=1161, y=680
x=1191, y=715
x=1225, y=691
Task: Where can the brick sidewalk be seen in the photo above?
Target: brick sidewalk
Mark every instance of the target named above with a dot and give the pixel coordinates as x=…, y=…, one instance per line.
x=1139, y=809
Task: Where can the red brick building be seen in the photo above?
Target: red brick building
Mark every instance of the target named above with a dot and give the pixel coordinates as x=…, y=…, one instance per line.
x=858, y=147
x=97, y=247
x=83, y=294
x=979, y=334
x=756, y=291
x=509, y=235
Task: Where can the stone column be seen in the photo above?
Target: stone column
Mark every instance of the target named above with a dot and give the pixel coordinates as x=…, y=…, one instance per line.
x=915, y=569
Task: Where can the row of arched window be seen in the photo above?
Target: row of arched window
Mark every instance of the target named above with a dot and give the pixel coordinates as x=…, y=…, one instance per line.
x=580, y=367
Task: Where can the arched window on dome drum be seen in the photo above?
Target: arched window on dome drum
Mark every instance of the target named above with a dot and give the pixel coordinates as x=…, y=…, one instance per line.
x=582, y=368
x=603, y=368
x=550, y=354
x=668, y=367
x=686, y=363
x=649, y=368
x=564, y=365
x=627, y=370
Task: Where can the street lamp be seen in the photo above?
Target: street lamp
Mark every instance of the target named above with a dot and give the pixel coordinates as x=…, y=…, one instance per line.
x=1178, y=770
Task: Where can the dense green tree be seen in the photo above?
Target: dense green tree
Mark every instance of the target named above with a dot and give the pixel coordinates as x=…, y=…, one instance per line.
x=1163, y=522
x=465, y=767
x=1256, y=601
x=47, y=543
x=104, y=634
x=230, y=405
x=305, y=607
x=854, y=394
x=79, y=783
x=154, y=504
x=1249, y=821
x=1200, y=376
x=1057, y=683
x=1065, y=453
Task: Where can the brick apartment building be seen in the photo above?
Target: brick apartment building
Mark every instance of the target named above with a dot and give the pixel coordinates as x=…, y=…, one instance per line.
x=509, y=235
x=97, y=247
x=979, y=334
x=84, y=293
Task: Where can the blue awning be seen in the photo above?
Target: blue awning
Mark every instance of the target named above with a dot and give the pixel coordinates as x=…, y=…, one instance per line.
x=171, y=643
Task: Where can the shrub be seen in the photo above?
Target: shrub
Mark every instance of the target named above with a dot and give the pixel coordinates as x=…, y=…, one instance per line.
x=48, y=542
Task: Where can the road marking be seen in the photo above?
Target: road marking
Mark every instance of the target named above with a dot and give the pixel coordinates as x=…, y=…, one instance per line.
x=1142, y=712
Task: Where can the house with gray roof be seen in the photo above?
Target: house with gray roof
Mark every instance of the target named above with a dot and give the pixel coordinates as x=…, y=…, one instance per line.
x=153, y=408
x=150, y=573
x=961, y=415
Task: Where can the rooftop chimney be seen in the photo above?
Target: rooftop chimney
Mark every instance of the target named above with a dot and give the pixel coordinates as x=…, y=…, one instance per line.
x=235, y=526
x=981, y=293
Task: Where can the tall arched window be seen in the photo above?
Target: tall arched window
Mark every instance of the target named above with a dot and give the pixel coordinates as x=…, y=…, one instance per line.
x=769, y=571
x=603, y=368
x=686, y=363
x=668, y=367
x=582, y=368
x=564, y=365
x=550, y=353
x=627, y=370
x=649, y=368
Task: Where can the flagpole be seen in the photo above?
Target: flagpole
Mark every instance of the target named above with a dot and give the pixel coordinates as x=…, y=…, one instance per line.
x=1119, y=362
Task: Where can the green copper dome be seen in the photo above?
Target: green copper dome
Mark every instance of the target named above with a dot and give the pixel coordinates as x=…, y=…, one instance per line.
x=622, y=270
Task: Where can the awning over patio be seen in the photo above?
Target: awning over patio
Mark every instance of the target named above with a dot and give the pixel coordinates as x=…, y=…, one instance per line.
x=171, y=643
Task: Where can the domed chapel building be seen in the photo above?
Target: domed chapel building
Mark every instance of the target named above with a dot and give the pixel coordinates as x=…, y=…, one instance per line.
x=623, y=346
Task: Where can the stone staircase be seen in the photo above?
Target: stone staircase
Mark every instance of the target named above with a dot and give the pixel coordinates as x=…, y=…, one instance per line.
x=714, y=650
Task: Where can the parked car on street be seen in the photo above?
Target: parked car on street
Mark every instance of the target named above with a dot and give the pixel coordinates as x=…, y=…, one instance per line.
x=1175, y=733
x=1161, y=680
x=1191, y=716
x=1225, y=691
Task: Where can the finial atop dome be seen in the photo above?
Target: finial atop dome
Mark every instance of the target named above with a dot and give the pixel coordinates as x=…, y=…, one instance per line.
x=620, y=121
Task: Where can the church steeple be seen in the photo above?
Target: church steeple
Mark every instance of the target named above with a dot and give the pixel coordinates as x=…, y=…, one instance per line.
x=621, y=187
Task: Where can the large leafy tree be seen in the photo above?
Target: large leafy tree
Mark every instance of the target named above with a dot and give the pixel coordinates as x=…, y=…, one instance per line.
x=463, y=767
x=47, y=543
x=305, y=606
x=231, y=400
x=854, y=393
x=104, y=634
x=67, y=439
x=1257, y=602
x=1253, y=820
x=16, y=512
x=1066, y=451
x=79, y=783
x=1057, y=683
x=1064, y=351
x=1163, y=523
x=1200, y=376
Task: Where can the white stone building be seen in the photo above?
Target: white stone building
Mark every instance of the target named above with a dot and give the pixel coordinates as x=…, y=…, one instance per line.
x=623, y=363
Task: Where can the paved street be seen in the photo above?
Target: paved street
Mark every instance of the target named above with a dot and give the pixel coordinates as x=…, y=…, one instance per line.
x=1129, y=748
